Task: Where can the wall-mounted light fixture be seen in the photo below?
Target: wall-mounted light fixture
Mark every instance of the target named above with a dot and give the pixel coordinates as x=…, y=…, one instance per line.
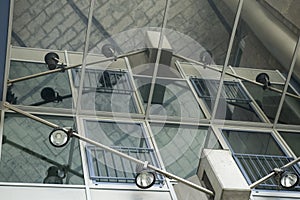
x=51, y=59
x=55, y=175
x=61, y=138
x=264, y=79
x=48, y=94
x=145, y=178
x=286, y=179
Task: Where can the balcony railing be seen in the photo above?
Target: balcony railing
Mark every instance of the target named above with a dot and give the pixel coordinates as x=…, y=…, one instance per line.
x=104, y=166
x=254, y=167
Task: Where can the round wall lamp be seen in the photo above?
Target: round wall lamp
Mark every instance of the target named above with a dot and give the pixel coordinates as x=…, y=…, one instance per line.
x=288, y=179
x=54, y=175
x=59, y=137
x=51, y=59
x=145, y=178
x=48, y=94
x=108, y=50
x=264, y=79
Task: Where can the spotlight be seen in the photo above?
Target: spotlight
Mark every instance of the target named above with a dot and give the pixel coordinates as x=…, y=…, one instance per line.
x=51, y=59
x=264, y=79
x=59, y=137
x=144, y=178
x=48, y=94
x=54, y=175
x=108, y=50
x=289, y=179
x=206, y=57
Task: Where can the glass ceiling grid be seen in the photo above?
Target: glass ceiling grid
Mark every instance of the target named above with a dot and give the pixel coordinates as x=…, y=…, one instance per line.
x=91, y=45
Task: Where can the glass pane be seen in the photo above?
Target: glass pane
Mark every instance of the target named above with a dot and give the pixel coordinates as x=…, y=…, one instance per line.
x=28, y=157
x=290, y=113
x=199, y=30
x=234, y=103
x=52, y=24
x=51, y=90
x=268, y=101
x=128, y=138
x=292, y=139
x=106, y=90
x=116, y=134
x=123, y=24
x=252, y=142
x=180, y=147
x=170, y=98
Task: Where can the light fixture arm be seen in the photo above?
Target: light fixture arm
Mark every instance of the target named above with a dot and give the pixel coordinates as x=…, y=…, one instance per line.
x=74, y=134
x=71, y=67
x=235, y=76
x=274, y=172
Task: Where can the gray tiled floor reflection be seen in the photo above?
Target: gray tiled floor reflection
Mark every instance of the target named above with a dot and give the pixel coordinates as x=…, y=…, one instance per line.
x=180, y=147
x=27, y=153
x=62, y=25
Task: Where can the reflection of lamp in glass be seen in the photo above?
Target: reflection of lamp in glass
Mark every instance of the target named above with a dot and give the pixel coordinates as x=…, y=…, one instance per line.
x=264, y=79
x=51, y=59
x=54, y=175
x=144, y=178
x=59, y=137
x=108, y=50
x=48, y=94
x=288, y=179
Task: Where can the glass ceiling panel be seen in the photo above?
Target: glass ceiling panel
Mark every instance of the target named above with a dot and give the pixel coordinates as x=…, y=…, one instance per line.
x=27, y=155
x=180, y=147
x=199, y=30
x=170, y=98
x=123, y=24
x=292, y=139
x=51, y=90
x=52, y=24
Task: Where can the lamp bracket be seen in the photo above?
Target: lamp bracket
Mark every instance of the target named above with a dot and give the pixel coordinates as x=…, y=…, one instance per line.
x=146, y=163
x=278, y=170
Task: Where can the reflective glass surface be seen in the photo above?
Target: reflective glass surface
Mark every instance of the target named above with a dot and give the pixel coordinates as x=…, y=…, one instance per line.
x=180, y=147
x=252, y=142
x=51, y=90
x=170, y=98
x=28, y=157
x=292, y=139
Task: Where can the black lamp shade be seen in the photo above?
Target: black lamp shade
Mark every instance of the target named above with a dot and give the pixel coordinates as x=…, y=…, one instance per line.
x=51, y=59
x=264, y=79
x=108, y=50
x=54, y=175
x=48, y=94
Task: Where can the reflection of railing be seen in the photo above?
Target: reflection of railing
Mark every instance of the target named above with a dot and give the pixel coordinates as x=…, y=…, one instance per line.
x=105, y=81
x=254, y=167
x=232, y=92
x=107, y=167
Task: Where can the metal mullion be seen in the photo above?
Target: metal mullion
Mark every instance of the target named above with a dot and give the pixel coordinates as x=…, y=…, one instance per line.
x=84, y=59
x=160, y=43
x=137, y=100
x=287, y=82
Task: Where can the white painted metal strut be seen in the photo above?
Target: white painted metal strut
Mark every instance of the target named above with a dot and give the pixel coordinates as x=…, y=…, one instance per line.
x=76, y=135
